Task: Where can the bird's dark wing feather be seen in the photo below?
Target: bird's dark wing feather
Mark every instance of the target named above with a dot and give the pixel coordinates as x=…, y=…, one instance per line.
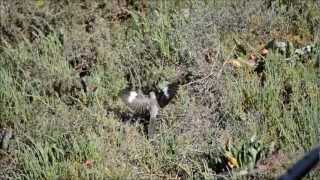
x=164, y=100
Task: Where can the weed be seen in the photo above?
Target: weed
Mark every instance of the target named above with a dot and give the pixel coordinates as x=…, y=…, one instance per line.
x=63, y=65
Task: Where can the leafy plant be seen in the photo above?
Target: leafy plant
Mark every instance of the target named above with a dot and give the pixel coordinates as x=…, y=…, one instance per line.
x=245, y=155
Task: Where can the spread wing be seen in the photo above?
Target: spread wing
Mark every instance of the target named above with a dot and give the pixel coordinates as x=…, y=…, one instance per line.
x=138, y=103
x=168, y=92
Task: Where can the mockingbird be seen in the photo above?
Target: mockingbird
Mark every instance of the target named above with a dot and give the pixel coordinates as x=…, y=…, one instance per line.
x=150, y=105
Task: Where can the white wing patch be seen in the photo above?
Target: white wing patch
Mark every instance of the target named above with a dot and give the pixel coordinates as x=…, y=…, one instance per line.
x=133, y=95
x=165, y=91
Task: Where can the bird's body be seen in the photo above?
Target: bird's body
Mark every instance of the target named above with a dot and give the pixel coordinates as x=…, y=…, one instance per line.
x=143, y=104
x=149, y=105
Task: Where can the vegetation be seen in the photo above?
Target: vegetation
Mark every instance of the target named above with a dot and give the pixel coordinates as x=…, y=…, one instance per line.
x=64, y=63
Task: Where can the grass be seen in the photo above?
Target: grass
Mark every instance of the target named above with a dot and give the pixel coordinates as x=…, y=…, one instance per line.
x=223, y=121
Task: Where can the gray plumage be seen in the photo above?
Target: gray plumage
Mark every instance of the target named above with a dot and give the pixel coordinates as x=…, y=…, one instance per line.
x=149, y=105
x=143, y=104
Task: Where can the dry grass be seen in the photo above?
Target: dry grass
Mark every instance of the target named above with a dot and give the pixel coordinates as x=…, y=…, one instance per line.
x=63, y=130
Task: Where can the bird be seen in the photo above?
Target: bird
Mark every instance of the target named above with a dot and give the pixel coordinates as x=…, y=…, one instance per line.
x=150, y=105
